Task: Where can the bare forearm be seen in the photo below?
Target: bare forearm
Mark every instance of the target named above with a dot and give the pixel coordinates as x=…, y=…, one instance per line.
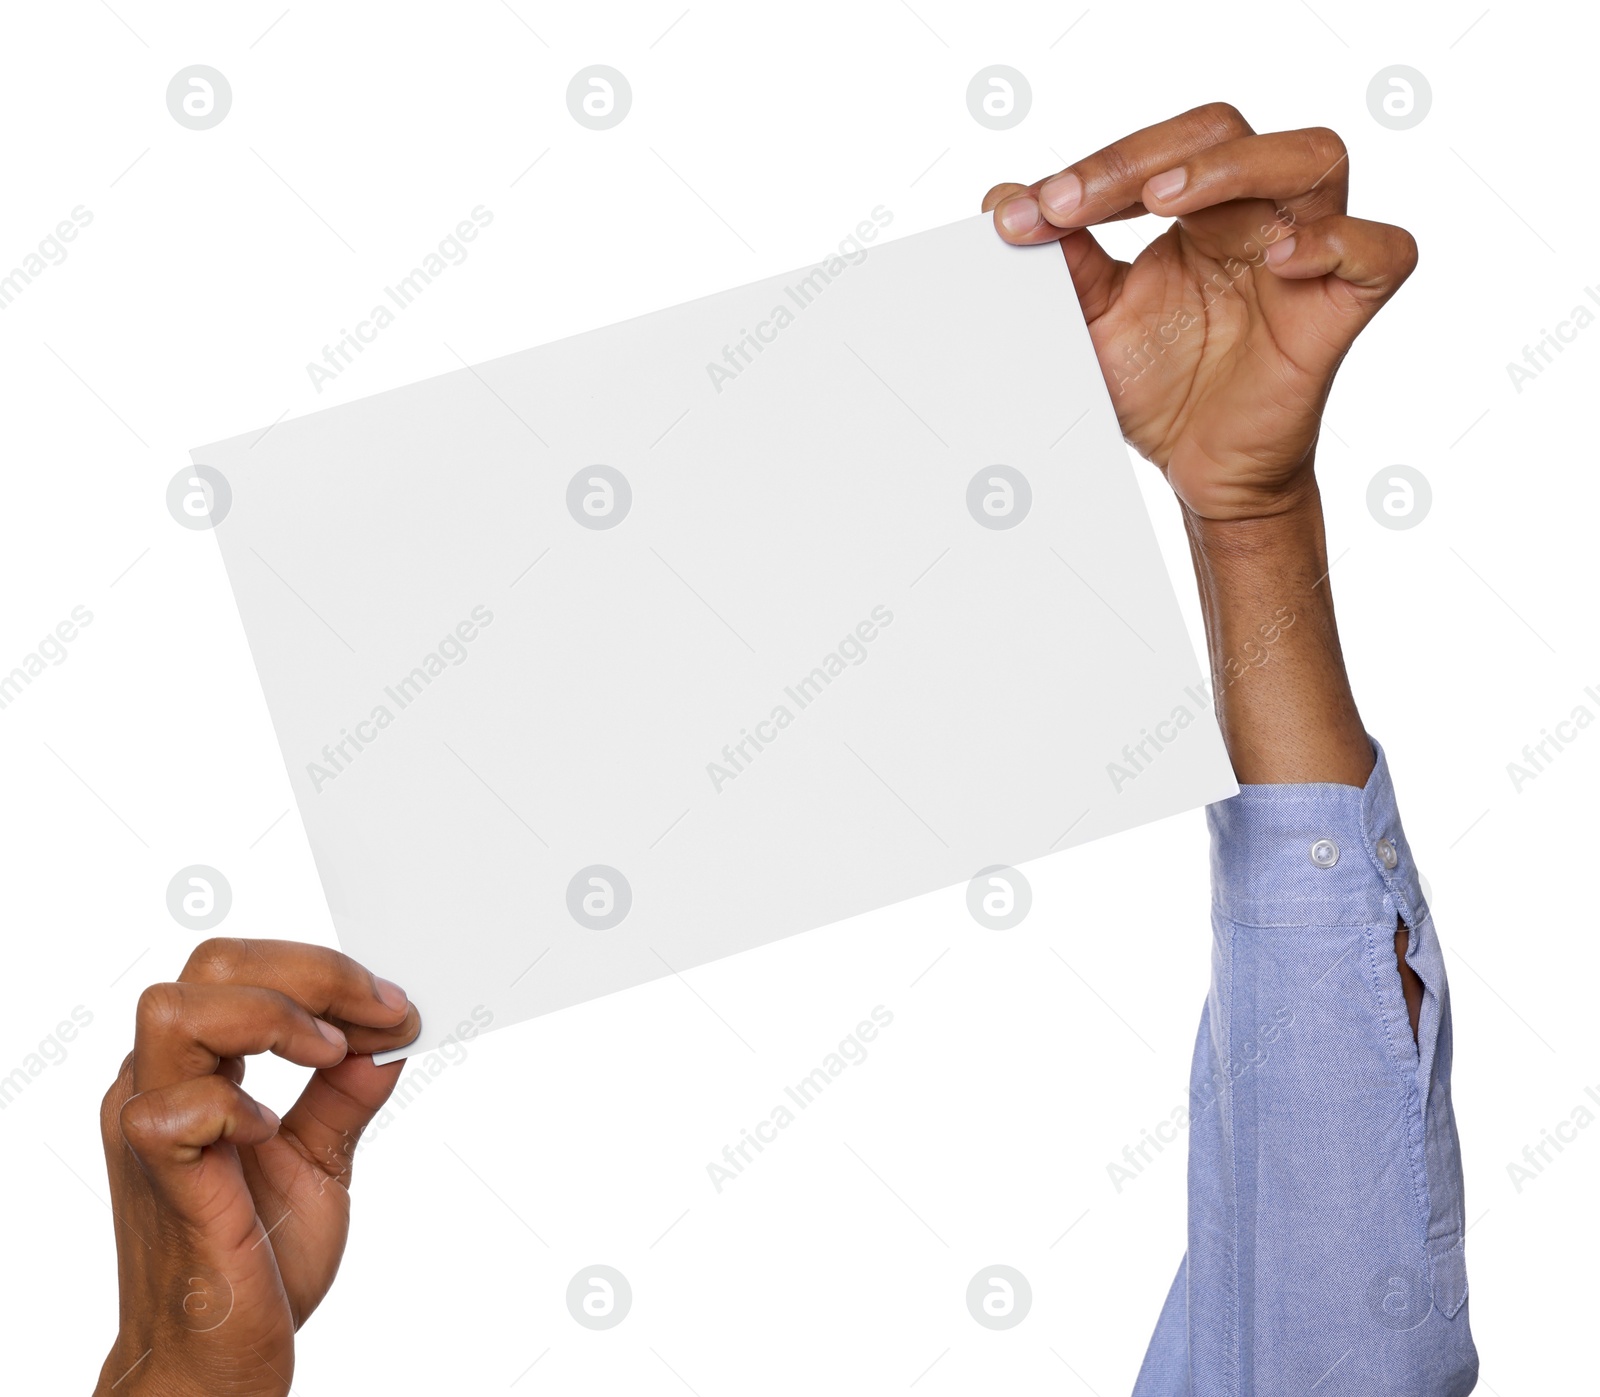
x=1283, y=696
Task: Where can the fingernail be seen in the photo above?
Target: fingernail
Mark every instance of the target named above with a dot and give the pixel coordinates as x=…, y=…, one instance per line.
x=269, y=1116
x=391, y=993
x=328, y=1031
x=1280, y=251
x=1168, y=184
x=1062, y=195
x=1019, y=216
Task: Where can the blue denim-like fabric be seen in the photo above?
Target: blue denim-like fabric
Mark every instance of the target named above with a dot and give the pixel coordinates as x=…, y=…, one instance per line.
x=1325, y=1200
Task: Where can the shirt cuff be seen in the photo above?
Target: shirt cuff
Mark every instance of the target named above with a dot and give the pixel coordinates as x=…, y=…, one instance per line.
x=1317, y=854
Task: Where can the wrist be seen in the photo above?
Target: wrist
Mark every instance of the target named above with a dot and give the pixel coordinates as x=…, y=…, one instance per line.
x=1279, y=543
x=1282, y=694
x=149, y=1367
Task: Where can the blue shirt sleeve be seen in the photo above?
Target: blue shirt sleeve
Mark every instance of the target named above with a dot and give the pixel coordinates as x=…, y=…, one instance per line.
x=1325, y=1198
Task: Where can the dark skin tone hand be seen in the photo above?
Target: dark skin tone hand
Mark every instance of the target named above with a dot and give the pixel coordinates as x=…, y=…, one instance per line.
x=231, y=1223
x=1219, y=344
x=1248, y=301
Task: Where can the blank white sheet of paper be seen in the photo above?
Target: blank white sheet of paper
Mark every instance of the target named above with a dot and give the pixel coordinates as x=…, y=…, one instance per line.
x=620, y=655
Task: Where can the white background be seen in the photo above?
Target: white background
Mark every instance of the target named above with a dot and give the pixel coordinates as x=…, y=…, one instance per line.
x=1019, y=1065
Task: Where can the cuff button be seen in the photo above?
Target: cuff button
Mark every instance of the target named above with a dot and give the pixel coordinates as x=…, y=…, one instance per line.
x=1324, y=853
x=1388, y=855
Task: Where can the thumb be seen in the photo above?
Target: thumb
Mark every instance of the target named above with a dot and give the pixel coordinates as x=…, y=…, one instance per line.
x=336, y=1106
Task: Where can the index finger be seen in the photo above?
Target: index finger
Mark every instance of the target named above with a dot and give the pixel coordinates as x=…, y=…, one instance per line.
x=1107, y=185
x=326, y=982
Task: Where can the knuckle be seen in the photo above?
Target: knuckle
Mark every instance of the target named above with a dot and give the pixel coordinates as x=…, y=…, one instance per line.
x=116, y=1094
x=273, y=1010
x=349, y=976
x=1115, y=165
x=1406, y=251
x=160, y=1008
x=144, y=1121
x=1220, y=119
x=217, y=959
x=1325, y=144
